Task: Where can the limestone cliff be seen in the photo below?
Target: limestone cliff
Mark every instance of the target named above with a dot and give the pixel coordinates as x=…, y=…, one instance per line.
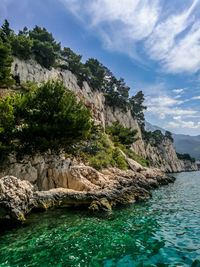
x=162, y=156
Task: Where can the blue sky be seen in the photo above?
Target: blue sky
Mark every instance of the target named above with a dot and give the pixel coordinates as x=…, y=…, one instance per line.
x=153, y=44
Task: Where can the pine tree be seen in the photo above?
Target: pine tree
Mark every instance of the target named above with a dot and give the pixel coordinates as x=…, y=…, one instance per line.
x=5, y=31
x=5, y=65
x=45, y=47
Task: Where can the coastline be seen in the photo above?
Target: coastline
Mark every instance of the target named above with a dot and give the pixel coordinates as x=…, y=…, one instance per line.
x=110, y=188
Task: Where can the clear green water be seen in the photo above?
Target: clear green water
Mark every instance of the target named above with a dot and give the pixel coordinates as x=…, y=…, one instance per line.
x=164, y=231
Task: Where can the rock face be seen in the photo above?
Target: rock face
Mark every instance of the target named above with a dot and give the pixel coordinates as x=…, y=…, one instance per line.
x=44, y=171
x=163, y=157
x=190, y=166
x=16, y=198
x=88, y=187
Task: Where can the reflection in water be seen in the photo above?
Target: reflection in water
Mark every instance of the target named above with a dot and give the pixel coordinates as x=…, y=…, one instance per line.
x=164, y=231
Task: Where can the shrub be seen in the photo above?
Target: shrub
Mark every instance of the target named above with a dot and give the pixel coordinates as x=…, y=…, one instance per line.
x=52, y=117
x=185, y=156
x=7, y=124
x=121, y=135
x=119, y=159
x=21, y=46
x=131, y=154
x=5, y=63
x=45, y=47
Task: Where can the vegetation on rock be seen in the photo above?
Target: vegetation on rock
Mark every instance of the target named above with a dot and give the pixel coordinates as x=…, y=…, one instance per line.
x=46, y=117
x=185, y=156
x=121, y=135
x=41, y=45
x=5, y=63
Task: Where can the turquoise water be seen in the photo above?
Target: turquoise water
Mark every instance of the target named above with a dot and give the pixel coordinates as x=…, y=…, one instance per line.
x=164, y=231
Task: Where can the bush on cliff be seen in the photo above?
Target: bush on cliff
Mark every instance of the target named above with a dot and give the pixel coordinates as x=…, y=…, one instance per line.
x=22, y=44
x=5, y=64
x=7, y=125
x=121, y=135
x=185, y=156
x=52, y=117
x=45, y=48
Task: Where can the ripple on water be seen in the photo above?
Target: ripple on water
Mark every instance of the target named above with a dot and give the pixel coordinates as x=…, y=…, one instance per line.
x=165, y=231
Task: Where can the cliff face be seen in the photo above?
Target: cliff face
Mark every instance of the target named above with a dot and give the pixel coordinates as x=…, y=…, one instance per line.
x=163, y=156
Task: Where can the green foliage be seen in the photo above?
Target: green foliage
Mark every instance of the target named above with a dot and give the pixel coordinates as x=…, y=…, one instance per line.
x=156, y=137
x=45, y=48
x=121, y=135
x=5, y=32
x=7, y=124
x=74, y=64
x=97, y=151
x=105, y=156
x=42, y=45
x=97, y=73
x=137, y=107
x=131, y=154
x=115, y=91
x=185, y=157
x=5, y=63
x=168, y=135
x=119, y=159
x=21, y=45
x=52, y=117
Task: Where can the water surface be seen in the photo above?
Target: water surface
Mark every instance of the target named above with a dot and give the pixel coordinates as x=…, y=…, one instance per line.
x=164, y=231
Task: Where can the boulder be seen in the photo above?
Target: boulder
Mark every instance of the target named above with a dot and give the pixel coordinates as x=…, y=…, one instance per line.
x=16, y=198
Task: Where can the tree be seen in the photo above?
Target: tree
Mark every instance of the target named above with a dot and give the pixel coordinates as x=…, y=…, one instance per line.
x=185, y=156
x=75, y=65
x=122, y=88
x=5, y=63
x=45, y=47
x=97, y=73
x=157, y=137
x=137, y=107
x=168, y=135
x=7, y=124
x=52, y=117
x=21, y=45
x=5, y=31
x=121, y=135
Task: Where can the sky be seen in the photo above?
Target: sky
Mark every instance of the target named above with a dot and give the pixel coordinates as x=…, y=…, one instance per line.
x=153, y=44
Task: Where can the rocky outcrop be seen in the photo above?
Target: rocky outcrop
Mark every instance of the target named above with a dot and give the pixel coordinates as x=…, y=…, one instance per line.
x=93, y=189
x=31, y=71
x=16, y=198
x=44, y=171
x=189, y=165
x=163, y=156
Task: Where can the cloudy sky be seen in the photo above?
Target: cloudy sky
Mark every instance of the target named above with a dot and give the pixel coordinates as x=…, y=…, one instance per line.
x=153, y=44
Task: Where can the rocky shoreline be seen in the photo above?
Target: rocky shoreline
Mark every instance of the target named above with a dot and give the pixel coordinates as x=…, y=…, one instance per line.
x=98, y=191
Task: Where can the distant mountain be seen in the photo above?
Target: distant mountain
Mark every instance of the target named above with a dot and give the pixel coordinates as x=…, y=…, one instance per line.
x=150, y=127
x=183, y=143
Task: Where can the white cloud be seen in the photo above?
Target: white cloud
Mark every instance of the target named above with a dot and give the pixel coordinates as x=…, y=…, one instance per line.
x=170, y=111
x=172, y=124
x=179, y=123
x=163, y=44
x=164, y=101
x=119, y=23
x=196, y=97
x=163, y=106
x=177, y=91
x=184, y=56
x=177, y=117
x=172, y=39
